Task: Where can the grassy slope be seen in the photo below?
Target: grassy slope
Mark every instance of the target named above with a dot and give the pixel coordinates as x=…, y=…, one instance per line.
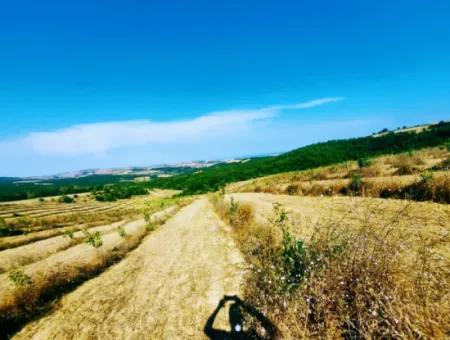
x=310, y=156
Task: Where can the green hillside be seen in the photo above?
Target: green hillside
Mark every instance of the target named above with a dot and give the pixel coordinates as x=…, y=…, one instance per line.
x=311, y=156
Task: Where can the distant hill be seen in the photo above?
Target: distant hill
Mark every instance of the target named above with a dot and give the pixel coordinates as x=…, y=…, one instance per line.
x=17, y=188
x=319, y=154
x=204, y=176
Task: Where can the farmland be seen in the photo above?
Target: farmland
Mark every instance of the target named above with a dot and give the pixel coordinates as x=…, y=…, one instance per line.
x=354, y=249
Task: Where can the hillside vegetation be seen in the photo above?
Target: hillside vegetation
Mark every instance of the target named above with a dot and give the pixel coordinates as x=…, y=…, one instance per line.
x=419, y=175
x=311, y=156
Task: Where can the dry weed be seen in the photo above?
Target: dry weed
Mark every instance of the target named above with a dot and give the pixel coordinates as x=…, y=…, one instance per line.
x=375, y=279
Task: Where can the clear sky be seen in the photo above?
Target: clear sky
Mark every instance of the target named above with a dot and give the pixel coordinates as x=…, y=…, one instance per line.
x=91, y=83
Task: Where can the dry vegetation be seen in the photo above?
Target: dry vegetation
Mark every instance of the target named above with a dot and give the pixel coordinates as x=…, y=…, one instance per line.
x=164, y=289
x=26, y=222
x=33, y=274
x=356, y=265
x=421, y=175
x=375, y=269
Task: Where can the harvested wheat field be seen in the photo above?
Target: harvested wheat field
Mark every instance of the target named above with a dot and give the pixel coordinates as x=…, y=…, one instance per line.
x=164, y=289
x=162, y=271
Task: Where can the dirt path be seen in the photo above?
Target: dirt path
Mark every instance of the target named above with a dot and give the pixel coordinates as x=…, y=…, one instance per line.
x=164, y=289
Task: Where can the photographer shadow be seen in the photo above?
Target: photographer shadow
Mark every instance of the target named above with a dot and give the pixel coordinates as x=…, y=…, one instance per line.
x=238, y=313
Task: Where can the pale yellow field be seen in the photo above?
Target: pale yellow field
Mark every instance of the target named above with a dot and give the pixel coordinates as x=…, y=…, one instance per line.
x=164, y=276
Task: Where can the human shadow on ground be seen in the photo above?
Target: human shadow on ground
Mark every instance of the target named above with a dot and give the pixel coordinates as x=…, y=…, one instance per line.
x=242, y=318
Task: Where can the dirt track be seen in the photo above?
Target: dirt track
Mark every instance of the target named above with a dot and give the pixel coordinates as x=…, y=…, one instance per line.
x=165, y=289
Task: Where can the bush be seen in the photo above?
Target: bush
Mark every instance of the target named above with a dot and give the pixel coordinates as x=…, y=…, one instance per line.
x=113, y=192
x=292, y=255
x=93, y=239
x=364, y=162
x=293, y=189
x=356, y=184
x=239, y=214
x=66, y=199
x=351, y=281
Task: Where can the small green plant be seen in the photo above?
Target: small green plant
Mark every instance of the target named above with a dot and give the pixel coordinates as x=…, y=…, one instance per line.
x=93, y=239
x=66, y=199
x=69, y=233
x=364, y=162
x=234, y=206
x=292, y=259
x=150, y=226
x=426, y=177
x=19, y=278
x=121, y=231
x=356, y=183
x=41, y=199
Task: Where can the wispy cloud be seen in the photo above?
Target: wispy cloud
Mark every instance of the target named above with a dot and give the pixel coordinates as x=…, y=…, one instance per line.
x=308, y=105
x=99, y=138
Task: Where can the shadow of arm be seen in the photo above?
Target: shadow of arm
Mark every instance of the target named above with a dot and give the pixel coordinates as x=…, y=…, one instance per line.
x=209, y=326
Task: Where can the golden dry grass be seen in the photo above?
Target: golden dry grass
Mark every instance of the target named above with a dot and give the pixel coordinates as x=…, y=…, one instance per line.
x=383, y=176
x=62, y=217
x=164, y=289
x=55, y=264
x=67, y=268
x=374, y=268
x=35, y=251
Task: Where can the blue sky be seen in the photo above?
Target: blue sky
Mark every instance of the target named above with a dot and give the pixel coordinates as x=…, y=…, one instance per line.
x=87, y=84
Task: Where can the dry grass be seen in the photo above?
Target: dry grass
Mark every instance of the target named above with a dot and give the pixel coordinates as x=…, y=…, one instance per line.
x=380, y=176
x=377, y=272
x=164, y=289
x=405, y=187
x=55, y=273
x=406, y=164
x=31, y=228
x=39, y=250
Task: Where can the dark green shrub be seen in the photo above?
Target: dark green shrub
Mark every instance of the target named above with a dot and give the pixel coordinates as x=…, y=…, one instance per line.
x=113, y=192
x=356, y=184
x=364, y=162
x=66, y=199
x=293, y=189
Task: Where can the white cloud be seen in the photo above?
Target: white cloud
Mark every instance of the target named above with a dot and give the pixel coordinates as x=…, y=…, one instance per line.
x=308, y=105
x=99, y=138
